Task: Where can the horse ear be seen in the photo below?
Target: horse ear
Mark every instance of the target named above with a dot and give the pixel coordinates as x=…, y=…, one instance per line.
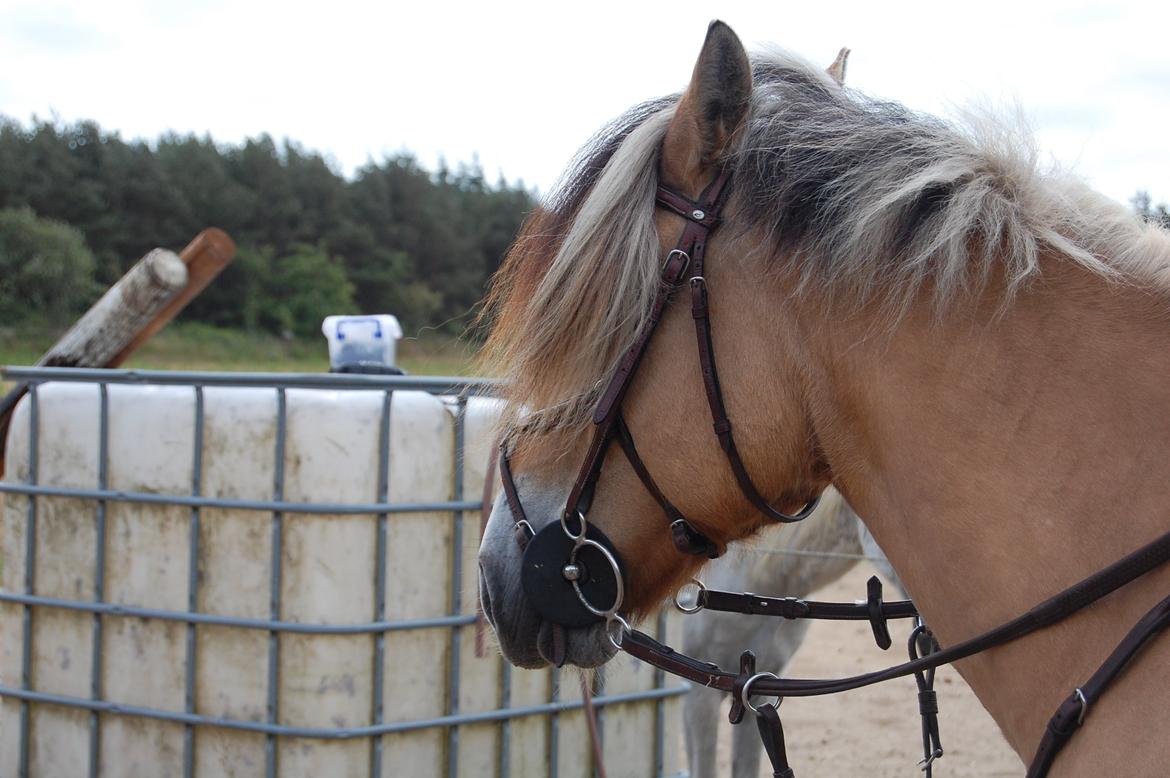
x=710, y=112
x=836, y=71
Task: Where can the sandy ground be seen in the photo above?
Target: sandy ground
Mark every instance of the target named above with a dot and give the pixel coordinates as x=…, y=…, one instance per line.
x=875, y=732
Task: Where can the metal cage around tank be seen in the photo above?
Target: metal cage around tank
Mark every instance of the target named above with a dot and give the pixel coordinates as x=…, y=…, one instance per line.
x=457, y=617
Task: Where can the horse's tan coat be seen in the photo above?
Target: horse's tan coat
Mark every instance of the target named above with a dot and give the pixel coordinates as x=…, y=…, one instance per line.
x=998, y=453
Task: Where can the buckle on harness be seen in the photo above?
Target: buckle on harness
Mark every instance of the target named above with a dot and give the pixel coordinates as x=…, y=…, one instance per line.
x=676, y=278
x=926, y=763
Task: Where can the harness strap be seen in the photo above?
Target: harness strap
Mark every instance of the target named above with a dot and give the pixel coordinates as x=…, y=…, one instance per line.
x=700, y=312
x=683, y=534
x=522, y=529
x=772, y=735
x=1056, y=608
x=702, y=217
x=701, y=220
x=1071, y=713
x=796, y=608
x=922, y=643
x=674, y=270
x=605, y=414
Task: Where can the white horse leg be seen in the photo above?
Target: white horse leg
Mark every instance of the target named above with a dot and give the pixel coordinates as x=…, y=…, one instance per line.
x=701, y=719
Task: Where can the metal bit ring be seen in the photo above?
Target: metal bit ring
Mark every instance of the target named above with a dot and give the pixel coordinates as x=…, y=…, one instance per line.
x=698, y=606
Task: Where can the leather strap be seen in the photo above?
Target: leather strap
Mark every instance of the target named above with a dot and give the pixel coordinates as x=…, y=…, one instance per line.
x=772, y=735
x=700, y=312
x=522, y=529
x=795, y=608
x=591, y=723
x=702, y=217
x=683, y=534
x=1071, y=713
x=922, y=643
x=1049, y=612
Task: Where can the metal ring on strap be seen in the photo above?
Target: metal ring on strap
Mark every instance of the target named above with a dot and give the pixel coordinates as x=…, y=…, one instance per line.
x=623, y=627
x=575, y=536
x=619, y=595
x=745, y=696
x=698, y=606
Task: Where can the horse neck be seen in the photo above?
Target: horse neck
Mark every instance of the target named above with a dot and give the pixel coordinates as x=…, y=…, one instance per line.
x=1000, y=456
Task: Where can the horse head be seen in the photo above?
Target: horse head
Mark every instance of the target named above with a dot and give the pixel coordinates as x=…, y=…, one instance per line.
x=572, y=299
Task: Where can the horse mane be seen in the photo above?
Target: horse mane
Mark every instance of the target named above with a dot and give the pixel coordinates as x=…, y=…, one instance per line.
x=580, y=278
x=871, y=200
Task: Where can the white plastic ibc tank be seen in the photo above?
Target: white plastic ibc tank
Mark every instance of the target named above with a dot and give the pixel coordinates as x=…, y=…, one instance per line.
x=326, y=576
x=361, y=340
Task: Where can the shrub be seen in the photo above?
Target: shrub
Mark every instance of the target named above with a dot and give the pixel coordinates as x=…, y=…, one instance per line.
x=46, y=269
x=305, y=287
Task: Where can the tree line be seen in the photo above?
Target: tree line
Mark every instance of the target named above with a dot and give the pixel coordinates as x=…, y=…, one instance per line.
x=79, y=205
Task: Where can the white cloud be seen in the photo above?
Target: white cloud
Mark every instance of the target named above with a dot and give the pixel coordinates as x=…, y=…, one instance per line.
x=523, y=84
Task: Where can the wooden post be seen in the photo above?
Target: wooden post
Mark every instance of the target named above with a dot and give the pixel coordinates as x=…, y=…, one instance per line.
x=132, y=310
x=210, y=252
x=121, y=313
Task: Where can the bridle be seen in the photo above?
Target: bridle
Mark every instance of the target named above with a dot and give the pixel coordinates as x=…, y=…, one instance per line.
x=569, y=566
x=567, y=571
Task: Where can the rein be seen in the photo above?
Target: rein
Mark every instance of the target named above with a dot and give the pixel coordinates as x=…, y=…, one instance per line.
x=1061, y=727
x=569, y=566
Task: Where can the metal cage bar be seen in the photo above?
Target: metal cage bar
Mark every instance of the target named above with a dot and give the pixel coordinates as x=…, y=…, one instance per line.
x=380, y=580
x=99, y=577
x=195, y=527
x=304, y=628
x=336, y=733
x=30, y=553
x=454, y=668
x=264, y=506
x=660, y=705
x=270, y=755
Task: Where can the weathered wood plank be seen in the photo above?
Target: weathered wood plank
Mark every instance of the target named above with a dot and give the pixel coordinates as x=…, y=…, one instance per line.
x=205, y=256
x=121, y=313
x=132, y=311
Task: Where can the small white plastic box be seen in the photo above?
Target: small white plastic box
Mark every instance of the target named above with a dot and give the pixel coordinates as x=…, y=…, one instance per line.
x=362, y=340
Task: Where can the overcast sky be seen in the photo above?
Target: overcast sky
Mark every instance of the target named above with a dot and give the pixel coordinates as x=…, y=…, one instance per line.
x=524, y=84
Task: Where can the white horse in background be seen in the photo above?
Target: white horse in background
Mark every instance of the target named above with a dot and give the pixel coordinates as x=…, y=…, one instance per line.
x=789, y=560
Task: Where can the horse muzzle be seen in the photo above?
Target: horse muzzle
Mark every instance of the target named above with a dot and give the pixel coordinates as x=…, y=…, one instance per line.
x=530, y=595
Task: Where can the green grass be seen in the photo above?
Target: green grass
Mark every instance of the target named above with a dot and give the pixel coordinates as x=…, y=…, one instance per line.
x=194, y=346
